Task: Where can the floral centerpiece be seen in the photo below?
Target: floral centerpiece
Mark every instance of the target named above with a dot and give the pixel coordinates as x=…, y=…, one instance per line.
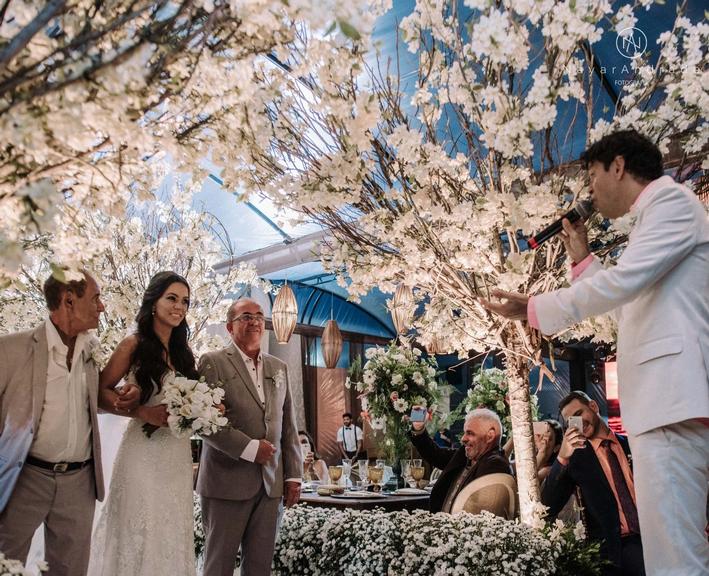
x=392, y=381
x=326, y=541
x=192, y=407
x=489, y=390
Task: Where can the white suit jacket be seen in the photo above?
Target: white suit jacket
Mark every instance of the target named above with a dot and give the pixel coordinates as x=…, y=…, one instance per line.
x=660, y=292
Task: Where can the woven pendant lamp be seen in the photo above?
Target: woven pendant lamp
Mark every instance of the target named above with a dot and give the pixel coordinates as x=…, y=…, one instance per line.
x=284, y=314
x=331, y=344
x=402, y=308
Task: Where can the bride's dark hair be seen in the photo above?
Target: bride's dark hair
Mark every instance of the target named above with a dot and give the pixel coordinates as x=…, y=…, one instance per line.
x=149, y=357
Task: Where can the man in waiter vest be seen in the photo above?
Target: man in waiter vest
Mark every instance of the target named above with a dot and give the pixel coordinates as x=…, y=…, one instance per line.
x=349, y=438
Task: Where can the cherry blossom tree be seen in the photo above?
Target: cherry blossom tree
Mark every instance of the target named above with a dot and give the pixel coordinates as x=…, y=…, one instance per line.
x=91, y=90
x=436, y=185
x=147, y=238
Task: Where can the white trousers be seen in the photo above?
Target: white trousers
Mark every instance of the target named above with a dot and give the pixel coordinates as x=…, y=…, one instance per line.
x=671, y=474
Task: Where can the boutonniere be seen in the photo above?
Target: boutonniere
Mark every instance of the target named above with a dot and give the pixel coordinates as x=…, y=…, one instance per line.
x=280, y=378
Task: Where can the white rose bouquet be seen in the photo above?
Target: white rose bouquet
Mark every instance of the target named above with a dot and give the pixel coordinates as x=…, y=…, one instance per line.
x=8, y=567
x=392, y=381
x=193, y=407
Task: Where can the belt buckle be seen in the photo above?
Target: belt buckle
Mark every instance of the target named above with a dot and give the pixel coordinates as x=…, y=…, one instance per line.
x=60, y=466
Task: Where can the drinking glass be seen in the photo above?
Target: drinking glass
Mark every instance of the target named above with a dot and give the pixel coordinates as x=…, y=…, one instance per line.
x=417, y=462
x=335, y=473
x=406, y=470
x=417, y=473
x=363, y=465
x=346, y=470
x=375, y=474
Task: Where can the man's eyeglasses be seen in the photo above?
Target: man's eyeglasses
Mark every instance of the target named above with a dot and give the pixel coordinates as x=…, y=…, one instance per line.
x=250, y=318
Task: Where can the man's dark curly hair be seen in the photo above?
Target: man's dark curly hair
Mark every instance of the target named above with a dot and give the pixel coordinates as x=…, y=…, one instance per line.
x=642, y=158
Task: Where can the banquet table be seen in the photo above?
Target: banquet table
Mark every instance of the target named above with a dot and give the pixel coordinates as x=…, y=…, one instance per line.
x=390, y=502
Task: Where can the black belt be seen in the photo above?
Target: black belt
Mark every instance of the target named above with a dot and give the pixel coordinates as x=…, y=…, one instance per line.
x=57, y=466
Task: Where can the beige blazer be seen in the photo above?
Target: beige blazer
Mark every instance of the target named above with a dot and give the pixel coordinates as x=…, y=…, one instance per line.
x=222, y=473
x=23, y=382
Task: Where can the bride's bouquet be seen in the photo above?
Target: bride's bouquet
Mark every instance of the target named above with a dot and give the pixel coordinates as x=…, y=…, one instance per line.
x=8, y=566
x=192, y=407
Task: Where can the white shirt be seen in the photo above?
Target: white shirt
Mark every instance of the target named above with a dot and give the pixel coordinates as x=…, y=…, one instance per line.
x=64, y=431
x=349, y=437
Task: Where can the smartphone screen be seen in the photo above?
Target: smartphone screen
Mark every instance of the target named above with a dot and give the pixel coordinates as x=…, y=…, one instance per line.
x=418, y=414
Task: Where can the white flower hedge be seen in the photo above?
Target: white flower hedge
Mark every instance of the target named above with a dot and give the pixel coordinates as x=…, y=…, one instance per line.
x=326, y=541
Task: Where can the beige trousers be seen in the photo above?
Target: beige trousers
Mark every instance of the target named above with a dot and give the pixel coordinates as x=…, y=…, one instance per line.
x=247, y=524
x=64, y=503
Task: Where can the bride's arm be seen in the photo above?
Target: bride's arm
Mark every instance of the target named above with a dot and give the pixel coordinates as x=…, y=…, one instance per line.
x=120, y=403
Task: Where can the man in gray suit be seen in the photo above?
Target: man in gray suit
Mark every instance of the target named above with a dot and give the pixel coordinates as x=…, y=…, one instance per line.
x=246, y=469
x=50, y=455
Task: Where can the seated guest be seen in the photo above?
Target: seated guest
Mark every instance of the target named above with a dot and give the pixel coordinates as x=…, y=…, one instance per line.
x=312, y=463
x=596, y=461
x=547, y=442
x=479, y=455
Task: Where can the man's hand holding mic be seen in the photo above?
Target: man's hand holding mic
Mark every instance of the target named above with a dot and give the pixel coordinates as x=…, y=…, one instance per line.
x=575, y=239
x=513, y=305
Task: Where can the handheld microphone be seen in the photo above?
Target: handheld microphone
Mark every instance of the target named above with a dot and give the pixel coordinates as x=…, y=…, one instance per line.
x=583, y=210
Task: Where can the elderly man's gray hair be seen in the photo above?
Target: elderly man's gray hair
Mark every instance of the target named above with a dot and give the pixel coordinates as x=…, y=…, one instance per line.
x=487, y=415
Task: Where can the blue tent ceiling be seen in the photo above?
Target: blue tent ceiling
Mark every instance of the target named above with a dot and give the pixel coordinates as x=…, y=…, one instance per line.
x=256, y=225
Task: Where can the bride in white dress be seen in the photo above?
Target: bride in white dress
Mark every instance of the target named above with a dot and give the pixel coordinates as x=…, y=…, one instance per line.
x=146, y=525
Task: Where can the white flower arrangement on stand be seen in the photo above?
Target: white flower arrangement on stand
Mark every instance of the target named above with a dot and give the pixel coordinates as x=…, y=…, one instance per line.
x=10, y=567
x=326, y=541
x=192, y=407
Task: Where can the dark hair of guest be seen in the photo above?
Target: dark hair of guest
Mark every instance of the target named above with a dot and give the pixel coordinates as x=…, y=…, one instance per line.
x=316, y=456
x=150, y=357
x=642, y=158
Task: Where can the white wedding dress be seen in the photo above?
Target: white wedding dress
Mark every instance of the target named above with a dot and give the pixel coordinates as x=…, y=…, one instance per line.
x=146, y=524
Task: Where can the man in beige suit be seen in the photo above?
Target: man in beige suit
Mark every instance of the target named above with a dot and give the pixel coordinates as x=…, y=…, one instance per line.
x=248, y=468
x=50, y=455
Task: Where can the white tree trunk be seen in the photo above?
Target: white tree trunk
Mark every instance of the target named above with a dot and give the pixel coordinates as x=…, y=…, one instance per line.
x=522, y=434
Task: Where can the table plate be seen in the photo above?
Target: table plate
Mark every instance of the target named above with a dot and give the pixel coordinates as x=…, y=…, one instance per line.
x=410, y=492
x=358, y=494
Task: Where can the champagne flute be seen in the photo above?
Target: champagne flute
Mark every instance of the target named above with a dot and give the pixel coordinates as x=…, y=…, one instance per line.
x=346, y=470
x=363, y=465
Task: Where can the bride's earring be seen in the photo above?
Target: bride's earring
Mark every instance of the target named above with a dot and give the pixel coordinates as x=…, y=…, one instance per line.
x=153, y=311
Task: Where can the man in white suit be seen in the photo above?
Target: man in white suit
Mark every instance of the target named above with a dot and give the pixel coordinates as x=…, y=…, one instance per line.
x=248, y=469
x=659, y=290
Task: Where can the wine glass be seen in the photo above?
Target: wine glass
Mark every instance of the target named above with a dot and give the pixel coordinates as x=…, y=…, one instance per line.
x=362, y=465
x=375, y=475
x=347, y=470
x=406, y=470
x=417, y=462
x=335, y=473
x=417, y=473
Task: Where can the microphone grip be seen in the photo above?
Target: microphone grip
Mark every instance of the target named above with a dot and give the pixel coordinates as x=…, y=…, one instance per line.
x=583, y=210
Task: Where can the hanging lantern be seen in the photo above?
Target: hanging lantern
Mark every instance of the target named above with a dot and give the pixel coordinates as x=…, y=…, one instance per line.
x=331, y=344
x=402, y=308
x=284, y=314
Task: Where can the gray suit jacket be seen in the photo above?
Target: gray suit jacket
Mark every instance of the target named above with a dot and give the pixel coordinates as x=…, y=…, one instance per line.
x=222, y=473
x=23, y=383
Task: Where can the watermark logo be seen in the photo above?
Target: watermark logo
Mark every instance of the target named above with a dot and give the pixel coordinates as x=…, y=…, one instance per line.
x=631, y=42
